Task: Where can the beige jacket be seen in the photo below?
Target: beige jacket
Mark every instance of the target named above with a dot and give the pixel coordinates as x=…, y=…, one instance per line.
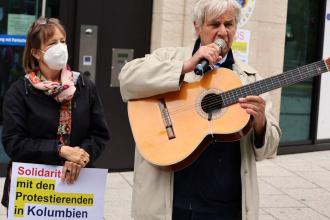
x=159, y=73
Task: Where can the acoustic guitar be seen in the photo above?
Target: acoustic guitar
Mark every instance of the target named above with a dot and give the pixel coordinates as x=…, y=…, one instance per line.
x=172, y=129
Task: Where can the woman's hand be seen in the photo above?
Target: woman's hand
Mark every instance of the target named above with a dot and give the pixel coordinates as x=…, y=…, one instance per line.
x=70, y=172
x=74, y=154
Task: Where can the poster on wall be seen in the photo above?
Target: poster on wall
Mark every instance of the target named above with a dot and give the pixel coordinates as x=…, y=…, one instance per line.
x=247, y=10
x=240, y=45
x=18, y=24
x=324, y=107
x=37, y=193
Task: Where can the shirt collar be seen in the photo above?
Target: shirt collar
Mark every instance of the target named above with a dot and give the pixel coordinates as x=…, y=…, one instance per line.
x=222, y=60
x=227, y=61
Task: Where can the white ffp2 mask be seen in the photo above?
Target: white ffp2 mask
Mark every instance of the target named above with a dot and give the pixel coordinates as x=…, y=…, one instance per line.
x=56, y=56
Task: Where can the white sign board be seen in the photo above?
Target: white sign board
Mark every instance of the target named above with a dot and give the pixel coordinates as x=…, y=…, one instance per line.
x=323, y=130
x=241, y=44
x=37, y=193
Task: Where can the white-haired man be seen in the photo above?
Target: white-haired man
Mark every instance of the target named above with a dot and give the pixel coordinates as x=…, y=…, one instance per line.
x=222, y=182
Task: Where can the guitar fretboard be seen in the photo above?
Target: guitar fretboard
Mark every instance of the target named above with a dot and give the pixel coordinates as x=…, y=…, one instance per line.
x=285, y=79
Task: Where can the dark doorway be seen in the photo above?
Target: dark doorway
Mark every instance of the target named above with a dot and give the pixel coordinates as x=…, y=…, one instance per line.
x=124, y=24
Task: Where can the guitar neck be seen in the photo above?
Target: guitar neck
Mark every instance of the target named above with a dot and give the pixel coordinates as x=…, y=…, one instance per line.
x=284, y=79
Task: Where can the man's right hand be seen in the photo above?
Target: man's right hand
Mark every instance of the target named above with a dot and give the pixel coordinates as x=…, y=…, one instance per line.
x=210, y=52
x=74, y=154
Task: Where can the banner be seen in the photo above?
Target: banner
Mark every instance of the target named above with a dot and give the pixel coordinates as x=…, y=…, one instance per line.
x=12, y=40
x=38, y=193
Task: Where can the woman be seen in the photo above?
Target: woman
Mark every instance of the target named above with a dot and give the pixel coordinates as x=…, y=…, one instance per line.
x=52, y=115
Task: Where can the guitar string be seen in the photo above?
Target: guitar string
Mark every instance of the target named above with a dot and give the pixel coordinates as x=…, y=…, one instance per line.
x=245, y=92
x=242, y=92
x=174, y=115
x=215, y=100
x=212, y=102
x=178, y=115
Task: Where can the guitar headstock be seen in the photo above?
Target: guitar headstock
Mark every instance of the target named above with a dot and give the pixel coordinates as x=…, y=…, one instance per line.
x=327, y=63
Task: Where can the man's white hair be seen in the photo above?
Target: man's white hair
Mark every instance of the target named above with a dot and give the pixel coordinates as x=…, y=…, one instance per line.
x=214, y=8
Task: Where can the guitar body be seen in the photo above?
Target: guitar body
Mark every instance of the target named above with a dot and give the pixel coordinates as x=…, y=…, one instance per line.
x=172, y=129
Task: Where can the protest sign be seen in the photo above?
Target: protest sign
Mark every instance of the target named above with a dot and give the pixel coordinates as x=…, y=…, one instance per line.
x=36, y=192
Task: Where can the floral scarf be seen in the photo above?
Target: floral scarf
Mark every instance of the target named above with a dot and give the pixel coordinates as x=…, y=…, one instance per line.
x=62, y=92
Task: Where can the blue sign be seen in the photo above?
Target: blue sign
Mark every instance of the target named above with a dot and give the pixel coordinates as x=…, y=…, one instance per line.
x=12, y=40
x=328, y=17
x=242, y=2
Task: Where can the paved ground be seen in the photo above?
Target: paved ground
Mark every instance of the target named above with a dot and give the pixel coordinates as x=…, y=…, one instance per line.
x=291, y=187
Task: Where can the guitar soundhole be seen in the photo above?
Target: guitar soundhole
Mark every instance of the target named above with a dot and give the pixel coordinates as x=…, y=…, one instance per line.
x=211, y=103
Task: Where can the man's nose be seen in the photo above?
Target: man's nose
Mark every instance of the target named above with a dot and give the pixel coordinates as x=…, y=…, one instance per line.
x=222, y=32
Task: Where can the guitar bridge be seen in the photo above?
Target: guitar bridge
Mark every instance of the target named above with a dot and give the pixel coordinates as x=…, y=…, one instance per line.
x=166, y=119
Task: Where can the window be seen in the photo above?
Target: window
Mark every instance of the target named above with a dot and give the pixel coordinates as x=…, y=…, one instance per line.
x=301, y=47
x=15, y=18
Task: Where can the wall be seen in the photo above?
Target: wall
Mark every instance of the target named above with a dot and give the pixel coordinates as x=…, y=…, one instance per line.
x=324, y=107
x=172, y=26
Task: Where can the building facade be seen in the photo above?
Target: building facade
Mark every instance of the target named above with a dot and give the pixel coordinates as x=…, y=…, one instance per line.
x=275, y=36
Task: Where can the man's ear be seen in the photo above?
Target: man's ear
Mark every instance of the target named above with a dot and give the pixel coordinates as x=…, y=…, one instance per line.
x=35, y=53
x=197, y=29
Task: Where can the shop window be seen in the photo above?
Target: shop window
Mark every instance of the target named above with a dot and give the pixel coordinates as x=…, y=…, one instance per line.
x=15, y=18
x=301, y=47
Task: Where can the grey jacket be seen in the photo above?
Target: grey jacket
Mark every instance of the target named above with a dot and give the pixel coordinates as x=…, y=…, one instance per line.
x=159, y=73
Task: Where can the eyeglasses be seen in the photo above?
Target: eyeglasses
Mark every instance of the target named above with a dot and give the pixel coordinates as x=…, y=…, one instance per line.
x=42, y=21
x=39, y=22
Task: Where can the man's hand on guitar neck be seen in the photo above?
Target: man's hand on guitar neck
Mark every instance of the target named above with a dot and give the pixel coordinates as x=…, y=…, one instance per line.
x=255, y=106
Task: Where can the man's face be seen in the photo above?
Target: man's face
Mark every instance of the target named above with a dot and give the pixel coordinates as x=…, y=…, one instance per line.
x=214, y=27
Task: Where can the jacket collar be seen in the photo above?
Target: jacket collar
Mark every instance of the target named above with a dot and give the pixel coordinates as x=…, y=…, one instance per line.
x=244, y=67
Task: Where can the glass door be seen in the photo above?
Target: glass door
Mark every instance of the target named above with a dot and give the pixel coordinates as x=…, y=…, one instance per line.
x=302, y=46
x=15, y=18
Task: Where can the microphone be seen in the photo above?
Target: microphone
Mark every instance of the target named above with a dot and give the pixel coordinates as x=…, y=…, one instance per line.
x=204, y=63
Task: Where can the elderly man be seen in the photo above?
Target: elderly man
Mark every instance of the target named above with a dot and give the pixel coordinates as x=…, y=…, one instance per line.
x=222, y=182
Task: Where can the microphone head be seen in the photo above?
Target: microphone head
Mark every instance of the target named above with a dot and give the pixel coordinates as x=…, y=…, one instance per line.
x=221, y=43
